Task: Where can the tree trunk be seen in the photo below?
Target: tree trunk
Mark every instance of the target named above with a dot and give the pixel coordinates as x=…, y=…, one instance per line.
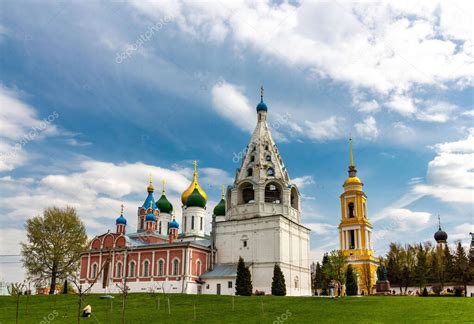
x=52, y=287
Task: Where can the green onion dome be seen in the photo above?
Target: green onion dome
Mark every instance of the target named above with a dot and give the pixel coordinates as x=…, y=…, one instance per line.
x=164, y=205
x=196, y=199
x=219, y=210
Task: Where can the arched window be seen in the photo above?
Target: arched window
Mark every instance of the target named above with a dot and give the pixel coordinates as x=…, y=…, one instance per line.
x=131, y=269
x=192, y=222
x=273, y=193
x=185, y=223
x=94, y=270
x=249, y=172
x=350, y=206
x=200, y=219
x=245, y=241
x=146, y=268
x=161, y=268
x=118, y=270
x=270, y=172
x=294, y=198
x=159, y=227
x=176, y=267
x=252, y=158
x=266, y=147
x=268, y=158
x=198, y=267
x=296, y=282
x=247, y=194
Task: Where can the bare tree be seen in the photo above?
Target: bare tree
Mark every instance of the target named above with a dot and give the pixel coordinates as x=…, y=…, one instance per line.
x=16, y=290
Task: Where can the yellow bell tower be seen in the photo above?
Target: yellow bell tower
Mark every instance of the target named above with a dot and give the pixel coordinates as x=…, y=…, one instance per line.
x=355, y=230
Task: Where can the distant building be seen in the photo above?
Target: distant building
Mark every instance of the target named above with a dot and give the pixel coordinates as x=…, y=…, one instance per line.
x=355, y=230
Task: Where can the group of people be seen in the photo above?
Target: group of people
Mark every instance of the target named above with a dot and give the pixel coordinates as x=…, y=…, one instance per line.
x=335, y=286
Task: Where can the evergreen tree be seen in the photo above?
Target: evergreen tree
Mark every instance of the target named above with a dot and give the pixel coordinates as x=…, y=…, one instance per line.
x=278, y=282
x=324, y=279
x=394, y=264
x=461, y=267
x=243, y=283
x=448, y=265
x=351, y=281
x=422, y=266
x=318, y=277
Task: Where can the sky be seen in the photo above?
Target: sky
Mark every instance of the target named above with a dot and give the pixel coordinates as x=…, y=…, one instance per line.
x=95, y=96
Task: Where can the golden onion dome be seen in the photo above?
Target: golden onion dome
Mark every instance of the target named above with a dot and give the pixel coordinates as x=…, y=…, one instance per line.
x=352, y=180
x=194, y=185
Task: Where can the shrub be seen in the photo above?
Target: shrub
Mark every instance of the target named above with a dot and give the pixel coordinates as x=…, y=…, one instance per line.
x=425, y=292
x=458, y=291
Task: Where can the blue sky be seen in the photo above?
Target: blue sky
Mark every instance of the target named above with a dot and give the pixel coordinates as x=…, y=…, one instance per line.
x=136, y=87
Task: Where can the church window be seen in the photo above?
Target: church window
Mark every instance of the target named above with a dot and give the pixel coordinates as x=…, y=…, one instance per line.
x=296, y=282
x=351, y=239
x=141, y=223
x=252, y=158
x=176, y=267
x=200, y=219
x=266, y=147
x=131, y=270
x=118, y=270
x=254, y=149
x=268, y=158
x=185, y=223
x=146, y=268
x=351, y=209
x=273, y=193
x=198, y=267
x=244, y=243
x=229, y=284
x=270, y=172
x=161, y=268
x=192, y=222
x=365, y=210
x=249, y=172
x=159, y=228
x=247, y=194
x=94, y=270
x=294, y=198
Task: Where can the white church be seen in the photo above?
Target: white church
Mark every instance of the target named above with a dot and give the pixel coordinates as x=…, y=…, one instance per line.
x=258, y=219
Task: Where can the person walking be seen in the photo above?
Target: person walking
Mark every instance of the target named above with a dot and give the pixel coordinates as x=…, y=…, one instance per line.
x=331, y=289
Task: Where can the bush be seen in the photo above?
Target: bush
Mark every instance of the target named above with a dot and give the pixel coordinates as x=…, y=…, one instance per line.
x=259, y=293
x=437, y=289
x=425, y=292
x=458, y=291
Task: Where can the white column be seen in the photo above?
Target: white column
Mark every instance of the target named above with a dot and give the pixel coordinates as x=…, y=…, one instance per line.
x=152, y=274
x=347, y=239
x=88, y=265
x=167, y=264
x=138, y=265
x=359, y=240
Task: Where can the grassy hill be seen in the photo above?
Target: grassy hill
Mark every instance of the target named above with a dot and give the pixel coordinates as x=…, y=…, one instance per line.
x=143, y=308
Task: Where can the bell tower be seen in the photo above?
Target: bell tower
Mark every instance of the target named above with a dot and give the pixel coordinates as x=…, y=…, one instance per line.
x=355, y=230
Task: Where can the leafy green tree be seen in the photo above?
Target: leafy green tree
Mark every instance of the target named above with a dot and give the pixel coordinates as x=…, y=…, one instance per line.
x=408, y=255
x=462, y=273
x=448, y=262
x=438, y=267
x=336, y=267
x=278, y=282
x=243, y=284
x=351, y=281
x=54, y=244
x=394, y=264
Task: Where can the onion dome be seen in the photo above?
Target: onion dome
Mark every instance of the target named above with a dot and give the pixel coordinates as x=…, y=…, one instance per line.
x=219, y=210
x=150, y=217
x=121, y=219
x=150, y=200
x=194, y=185
x=163, y=203
x=261, y=106
x=440, y=236
x=174, y=224
x=196, y=200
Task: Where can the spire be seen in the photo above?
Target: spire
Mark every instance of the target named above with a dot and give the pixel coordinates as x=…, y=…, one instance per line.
x=163, y=182
x=195, y=169
x=222, y=192
x=261, y=93
x=121, y=210
x=352, y=168
x=439, y=223
x=150, y=186
x=261, y=106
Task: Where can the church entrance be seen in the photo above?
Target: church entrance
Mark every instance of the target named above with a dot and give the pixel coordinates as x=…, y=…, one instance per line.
x=218, y=289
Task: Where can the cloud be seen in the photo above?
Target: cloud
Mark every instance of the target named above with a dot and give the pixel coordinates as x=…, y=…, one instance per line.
x=229, y=102
x=437, y=112
x=402, y=104
x=20, y=125
x=303, y=181
x=394, y=46
x=321, y=228
x=367, y=128
x=327, y=129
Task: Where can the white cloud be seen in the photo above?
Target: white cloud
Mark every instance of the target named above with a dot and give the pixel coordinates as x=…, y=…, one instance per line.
x=303, y=181
x=229, y=102
x=367, y=128
x=330, y=128
x=402, y=104
x=369, y=106
x=405, y=219
x=438, y=112
x=384, y=46
x=469, y=113
x=321, y=228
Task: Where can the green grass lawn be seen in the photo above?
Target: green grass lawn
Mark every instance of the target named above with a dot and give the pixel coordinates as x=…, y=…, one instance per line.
x=142, y=308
